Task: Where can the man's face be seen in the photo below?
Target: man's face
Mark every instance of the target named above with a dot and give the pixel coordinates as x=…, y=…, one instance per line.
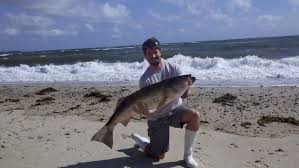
x=153, y=56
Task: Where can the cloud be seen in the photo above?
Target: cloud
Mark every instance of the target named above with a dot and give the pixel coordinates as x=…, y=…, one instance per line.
x=90, y=27
x=17, y=24
x=54, y=32
x=269, y=20
x=81, y=10
x=10, y=31
x=116, y=12
x=202, y=9
x=218, y=15
x=182, y=30
x=176, y=2
x=115, y=36
x=197, y=25
x=167, y=18
x=136, y=26
x=53, y=18
x=294, y=3
x=240, y=4
x=29, y=20
x=24, y=24
x=195, y=7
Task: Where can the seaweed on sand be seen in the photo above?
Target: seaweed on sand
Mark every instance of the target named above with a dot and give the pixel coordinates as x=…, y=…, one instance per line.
x=102, y=97
x=226, y=99
x=46, y=91
x=269, y=119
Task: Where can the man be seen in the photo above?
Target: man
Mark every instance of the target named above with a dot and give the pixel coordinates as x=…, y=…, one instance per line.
x=172, y=114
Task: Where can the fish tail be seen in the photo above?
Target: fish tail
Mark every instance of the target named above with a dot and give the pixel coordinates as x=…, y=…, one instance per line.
x=104, y=135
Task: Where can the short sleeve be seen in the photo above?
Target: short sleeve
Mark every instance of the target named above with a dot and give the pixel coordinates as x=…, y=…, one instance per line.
x=142, y=84
x=178, y=70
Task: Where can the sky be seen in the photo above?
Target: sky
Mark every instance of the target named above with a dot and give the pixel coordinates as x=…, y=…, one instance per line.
x=28, y=25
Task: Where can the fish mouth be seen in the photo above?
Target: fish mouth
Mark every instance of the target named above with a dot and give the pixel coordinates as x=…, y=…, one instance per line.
x=193, y=79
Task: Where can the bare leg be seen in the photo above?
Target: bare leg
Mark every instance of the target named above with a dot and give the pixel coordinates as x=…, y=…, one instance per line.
x=192, y=119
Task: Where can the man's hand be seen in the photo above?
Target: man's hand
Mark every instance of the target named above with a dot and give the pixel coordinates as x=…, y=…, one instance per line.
x=185, y=95
x=141, y=108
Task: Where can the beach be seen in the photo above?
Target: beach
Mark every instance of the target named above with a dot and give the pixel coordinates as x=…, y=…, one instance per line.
x=48, y=125
x=66, y=65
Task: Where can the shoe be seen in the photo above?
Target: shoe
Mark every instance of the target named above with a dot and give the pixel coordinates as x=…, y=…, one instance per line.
x=140, y=141
x=190, y=162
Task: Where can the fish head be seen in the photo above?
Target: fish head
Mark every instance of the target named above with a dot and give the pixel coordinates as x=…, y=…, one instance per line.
x=183, y=80
x=179, y=84
x=187, y=79
x=191, y=79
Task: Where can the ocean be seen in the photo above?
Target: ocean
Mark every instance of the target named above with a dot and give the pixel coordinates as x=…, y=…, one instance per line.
x=270, y=61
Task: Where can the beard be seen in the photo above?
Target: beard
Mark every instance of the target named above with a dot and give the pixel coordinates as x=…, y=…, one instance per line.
x=155, y=62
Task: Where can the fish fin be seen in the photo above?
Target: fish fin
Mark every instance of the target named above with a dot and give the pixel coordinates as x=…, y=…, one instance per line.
x=125, y=122
x=104, y=135
x=120, y=100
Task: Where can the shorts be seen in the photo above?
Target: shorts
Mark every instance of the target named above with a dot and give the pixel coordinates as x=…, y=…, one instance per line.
x=158, y=130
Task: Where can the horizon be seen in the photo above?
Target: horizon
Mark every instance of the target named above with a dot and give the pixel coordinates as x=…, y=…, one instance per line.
x=39, y=25
x=162, y=43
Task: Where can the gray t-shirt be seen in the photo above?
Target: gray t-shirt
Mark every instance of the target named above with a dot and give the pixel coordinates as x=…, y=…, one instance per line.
x=150, y=77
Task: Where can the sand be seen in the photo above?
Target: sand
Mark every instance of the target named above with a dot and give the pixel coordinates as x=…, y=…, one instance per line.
x=53, y=128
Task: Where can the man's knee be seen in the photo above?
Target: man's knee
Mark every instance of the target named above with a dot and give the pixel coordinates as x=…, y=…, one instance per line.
x=196, y=116
x=150, y=154
x=194, y=120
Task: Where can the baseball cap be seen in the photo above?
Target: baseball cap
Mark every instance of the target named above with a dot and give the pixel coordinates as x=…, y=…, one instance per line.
x=152, y=43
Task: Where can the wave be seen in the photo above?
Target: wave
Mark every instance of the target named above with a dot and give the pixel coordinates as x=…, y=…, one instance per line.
x=249, y=67
x=207, y=69
x=4, y=55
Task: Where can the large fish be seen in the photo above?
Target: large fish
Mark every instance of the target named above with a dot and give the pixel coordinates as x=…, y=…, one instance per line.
x=155, y=96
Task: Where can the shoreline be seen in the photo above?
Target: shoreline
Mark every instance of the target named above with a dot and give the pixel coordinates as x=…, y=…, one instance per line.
x=135, y=84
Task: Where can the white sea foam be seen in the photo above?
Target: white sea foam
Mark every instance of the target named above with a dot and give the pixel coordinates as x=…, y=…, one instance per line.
x=195, y=42
x=211, y=70
x=4, y=55
x=249, y=67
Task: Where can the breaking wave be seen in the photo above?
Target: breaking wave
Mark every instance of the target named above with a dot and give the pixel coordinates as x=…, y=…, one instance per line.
x=244, y=68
